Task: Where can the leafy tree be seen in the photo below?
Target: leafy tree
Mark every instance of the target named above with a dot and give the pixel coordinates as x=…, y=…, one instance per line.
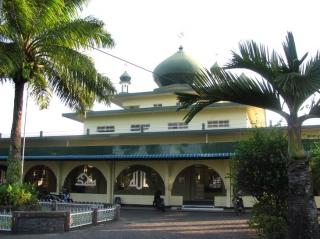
x=285, y=84
x=315, y=167
x=39, y=47
x=259, y=167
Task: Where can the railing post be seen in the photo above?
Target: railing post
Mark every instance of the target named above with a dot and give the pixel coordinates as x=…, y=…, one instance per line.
x=117, y=215
x=54, y=205
x=95, y=216
x=67, y=222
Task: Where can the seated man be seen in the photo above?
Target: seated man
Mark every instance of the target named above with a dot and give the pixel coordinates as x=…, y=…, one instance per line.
x=157, y=198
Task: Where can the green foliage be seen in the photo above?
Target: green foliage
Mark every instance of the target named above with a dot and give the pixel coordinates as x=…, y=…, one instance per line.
x=17, y=195
x=315, y=167
x=266, y=221
x=259, y=167
x=41, y=44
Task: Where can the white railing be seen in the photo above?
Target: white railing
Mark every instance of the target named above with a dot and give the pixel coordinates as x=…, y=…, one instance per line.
x=105, y=215
x=5, y=221
x=80, y=219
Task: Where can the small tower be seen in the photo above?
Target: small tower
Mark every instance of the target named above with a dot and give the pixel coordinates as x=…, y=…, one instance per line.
x=125, y=81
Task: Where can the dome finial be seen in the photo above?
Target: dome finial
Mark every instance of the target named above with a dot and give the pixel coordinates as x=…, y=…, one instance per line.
x=125, y=81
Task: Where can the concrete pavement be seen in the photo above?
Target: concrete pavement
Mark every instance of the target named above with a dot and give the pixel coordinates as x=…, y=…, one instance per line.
x=152, y=224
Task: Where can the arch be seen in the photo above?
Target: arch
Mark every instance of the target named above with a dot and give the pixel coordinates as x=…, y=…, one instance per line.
x=85, y=179
x=198, y=182
x=41, y=177
x=138, y=180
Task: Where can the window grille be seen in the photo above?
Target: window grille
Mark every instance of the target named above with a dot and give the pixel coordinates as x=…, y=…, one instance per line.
x=139, y=127
x=177, y=125
x=218, y=123
x=106, y=128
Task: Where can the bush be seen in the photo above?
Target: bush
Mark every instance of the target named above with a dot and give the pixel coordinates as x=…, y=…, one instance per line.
x=17, y=195
x=260, y=169
x=269, y=223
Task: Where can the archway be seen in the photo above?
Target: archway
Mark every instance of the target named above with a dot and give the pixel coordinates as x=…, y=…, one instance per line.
x=138, y=180
x=42, y=178
x=85, y=179
x=198, y=183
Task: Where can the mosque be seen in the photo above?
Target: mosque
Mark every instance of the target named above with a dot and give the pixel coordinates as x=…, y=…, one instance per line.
x=145, y=146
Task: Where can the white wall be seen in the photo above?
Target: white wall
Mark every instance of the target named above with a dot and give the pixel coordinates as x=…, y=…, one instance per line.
x=159, y=120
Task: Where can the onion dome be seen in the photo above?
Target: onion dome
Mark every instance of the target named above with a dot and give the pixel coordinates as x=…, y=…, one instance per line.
x=125, y=78
x=214, y=66
x=177, y=69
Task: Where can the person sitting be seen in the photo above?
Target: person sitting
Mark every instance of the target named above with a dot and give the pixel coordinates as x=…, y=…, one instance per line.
x=157, y=198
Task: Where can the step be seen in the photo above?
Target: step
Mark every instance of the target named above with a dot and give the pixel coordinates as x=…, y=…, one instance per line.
x=196, y=206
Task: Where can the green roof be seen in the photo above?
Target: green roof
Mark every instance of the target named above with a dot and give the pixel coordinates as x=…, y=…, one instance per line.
x=176, y=69
x=127, y=152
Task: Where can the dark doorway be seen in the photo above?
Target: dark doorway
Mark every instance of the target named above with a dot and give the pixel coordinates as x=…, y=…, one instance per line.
x=198, y=184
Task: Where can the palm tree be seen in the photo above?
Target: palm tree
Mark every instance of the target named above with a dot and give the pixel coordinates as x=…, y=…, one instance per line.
x=39, y=47
x=285, y=85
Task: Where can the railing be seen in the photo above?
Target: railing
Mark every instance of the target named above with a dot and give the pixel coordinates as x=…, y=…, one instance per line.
x=107, y=214
x=80, y=219
x=72, y=207
x=94, y=216
x=80, y=214
x=5, y=221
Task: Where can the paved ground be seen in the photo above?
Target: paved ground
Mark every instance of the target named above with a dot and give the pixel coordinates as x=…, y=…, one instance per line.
x=150, y=224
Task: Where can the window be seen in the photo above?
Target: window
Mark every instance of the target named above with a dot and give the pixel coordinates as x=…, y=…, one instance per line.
x=138, y=180
x=218, y=123
x=42, y=178
x=85, y=179
x=139, y=127
x=107, y=128
x=177, y=125
x=157, y=105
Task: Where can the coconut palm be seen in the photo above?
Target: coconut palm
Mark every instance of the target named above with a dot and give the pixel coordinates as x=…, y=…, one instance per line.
x=40, y=42
x=285, y=85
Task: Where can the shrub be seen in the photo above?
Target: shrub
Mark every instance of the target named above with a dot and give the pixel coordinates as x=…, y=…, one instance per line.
x=17, y=195
x=268, y=224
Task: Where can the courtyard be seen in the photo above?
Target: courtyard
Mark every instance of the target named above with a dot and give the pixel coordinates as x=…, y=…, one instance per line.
x=151, y=224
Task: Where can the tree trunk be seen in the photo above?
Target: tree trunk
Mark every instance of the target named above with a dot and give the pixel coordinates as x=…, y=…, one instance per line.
x=14, y=158
x=302, y=210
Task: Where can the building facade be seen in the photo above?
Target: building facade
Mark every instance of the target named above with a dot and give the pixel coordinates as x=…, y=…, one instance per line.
x=145, y=146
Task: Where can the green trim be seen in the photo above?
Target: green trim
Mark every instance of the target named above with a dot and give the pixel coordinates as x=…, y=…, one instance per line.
x=157, y=151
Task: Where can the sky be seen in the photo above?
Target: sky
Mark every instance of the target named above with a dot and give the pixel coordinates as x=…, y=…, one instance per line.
x=147, y=32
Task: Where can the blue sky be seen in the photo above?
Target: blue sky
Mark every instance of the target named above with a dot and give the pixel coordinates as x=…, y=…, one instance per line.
x=147, y=32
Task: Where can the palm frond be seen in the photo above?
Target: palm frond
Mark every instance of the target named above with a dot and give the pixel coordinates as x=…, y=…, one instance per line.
x=76, y=34
x=257, y=58
x=219, y=85
x=311, y=73
x=73, y=7
x=10, y=59
x=47, y=14
x=39, y=90
x=76, y=75
x=72, y=95
x=197, y=104
x=290, y=51
x=18, y=14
